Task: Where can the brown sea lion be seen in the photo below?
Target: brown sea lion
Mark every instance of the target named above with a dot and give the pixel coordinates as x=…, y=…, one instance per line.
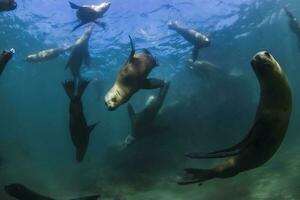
x=132, y=77
x=90, y=13
x=196, y=38
x=21, y=192
x=80, y=131
x=7, y=5
x=294, y=24
x=80, y=53
x=267, y=133
x=142, y=122
x=5, y=56
x=46, y=55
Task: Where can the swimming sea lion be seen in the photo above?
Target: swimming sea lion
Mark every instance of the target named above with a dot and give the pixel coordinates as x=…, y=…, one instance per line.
x=7, y=5
x=132, y=77
x=46, y=55
x=21, y=192
x=141, y=123
x=80, y=53
x=294, y=24
x=5, y=56
x=197, y=39
x=269, y=129
x=80, y=131
x=90, y=13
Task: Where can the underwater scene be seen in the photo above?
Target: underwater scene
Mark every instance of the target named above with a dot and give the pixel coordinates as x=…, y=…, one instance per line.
x=149, y=99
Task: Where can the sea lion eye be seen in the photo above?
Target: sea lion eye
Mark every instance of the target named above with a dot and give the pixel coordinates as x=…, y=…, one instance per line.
x=268, y=54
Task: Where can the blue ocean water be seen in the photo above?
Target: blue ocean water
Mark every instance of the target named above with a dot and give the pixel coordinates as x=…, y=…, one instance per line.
x=200, y=113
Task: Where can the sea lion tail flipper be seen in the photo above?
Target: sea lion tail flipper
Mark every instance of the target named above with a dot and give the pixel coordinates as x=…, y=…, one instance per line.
x=152, y=83
x=79, y=25
x=131, y=111
x=195, y=52
x=91, y=127
x=215, y=155
x=73, y=5
x=192, y=175
x=69, y=87
x=92, y=197
x=82, y=86
x=101, y=24
x=131, y=56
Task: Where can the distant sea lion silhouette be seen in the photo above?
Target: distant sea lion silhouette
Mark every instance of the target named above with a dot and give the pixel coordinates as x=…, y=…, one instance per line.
x=90, y=13
x=7, y=5
x=267, y=133
x=294, y=24
x=80, y=131
x=5, y=56
x=46, y=55
x=132, y=77
x=21, y=192
x=196, y=38
x=80, y=53
x=142, y=122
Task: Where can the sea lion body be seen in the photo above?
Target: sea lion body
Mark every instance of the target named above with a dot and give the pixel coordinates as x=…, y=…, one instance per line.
x=131, y=78
x=142, y=122
x=7, y=5
x=80, y=131
x=267, y=133
x=80, y=53
x=196, y=38
x=90, y=13
x=5, y=56
x=46, y=55
x=294, y=24
x=21, y=192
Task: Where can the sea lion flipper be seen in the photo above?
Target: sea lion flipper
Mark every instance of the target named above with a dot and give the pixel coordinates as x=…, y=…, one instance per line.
x=192, y=175
x=152, y=83
x=101, y=24
x=131, y=112
x=215, y=155
x=91, y=127
x=82, y=86
x=92, y=197
x=79, y=25
x=164, y=90
x=73, y=5
x=131, y=56
x=69, y=87
x=195, y=52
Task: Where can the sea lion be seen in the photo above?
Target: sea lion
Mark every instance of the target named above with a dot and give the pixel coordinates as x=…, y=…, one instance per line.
x=90, y=13
x=7, y=5
x=5, y=56
x=80, y=131
x=132, y=77
x=142, y=122
x=197, y=39
x=267, y=133
x=294, y=24
x=46, y=55
x=80, y=53
x=21, y=192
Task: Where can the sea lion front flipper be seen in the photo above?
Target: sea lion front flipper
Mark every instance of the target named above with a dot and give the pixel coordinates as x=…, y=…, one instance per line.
x=131, y=112
x=73, y=5
x=79, y=25
x=81, y=87
x=195, y=52
x=215, y=155
x=91, y=127
x=146, y=51
x=131, y=56
x=164, y=90
x=69, y=87
x=192, y=175
x=101, y=24
x=152, y=83
x=93, y=197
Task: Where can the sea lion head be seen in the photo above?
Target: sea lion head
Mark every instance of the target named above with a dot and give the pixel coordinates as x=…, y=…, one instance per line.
x=265, y=66
x=15, y=190
x=7, y=55
x=114, y=98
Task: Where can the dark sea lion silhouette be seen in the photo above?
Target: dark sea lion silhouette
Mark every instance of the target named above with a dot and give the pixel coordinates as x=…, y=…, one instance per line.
x=294, y=24
x=80, y=53
x=80, y=131
x=5, y=56
x=90, y=13
x=132, y=77
x=267, y=133
x=142, y=122
x=7, y=5
x=196, y=38
x=21, y=192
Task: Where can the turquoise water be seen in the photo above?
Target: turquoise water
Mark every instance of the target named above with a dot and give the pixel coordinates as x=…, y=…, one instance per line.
x=200, y=113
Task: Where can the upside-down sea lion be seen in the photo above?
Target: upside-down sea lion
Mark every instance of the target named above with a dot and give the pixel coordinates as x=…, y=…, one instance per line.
x=132, y=77
x=294, y=24
x=21, y=192
x=5, y=56
x=7, y=5
x=80, y=53
x=90, y=13
x=267, y=133
x=197, y=39
x=141, y=123
x=46, y=55
x=80, y=131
